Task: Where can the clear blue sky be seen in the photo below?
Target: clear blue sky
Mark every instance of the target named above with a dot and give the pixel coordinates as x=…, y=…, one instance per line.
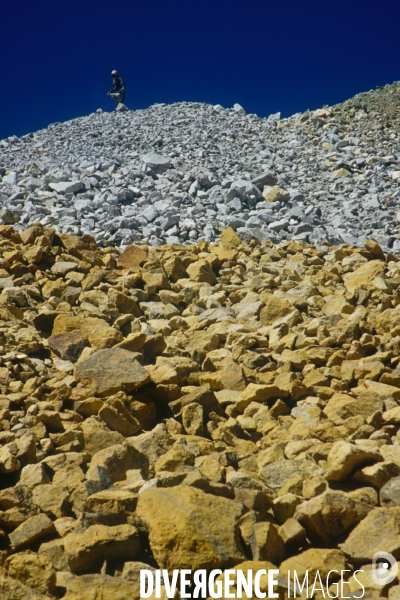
x=268, y=55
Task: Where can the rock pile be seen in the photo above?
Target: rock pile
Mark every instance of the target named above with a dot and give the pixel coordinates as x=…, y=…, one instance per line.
x=184, y=172
x=222, y=405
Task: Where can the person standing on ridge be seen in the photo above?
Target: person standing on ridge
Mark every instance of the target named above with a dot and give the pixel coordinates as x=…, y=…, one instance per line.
x=117, y=91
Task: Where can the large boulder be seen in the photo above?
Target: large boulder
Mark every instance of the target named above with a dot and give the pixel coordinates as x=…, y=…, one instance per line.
x=97, y=587
x=12, y=589
x=313, y=560
x=32, y=570
x=279, y=472
x=364, y=275
x=345, y=458
x=157, y=162
x=328, y=515
x=67, y=187
x=68, y=346
x=380, y=530
x=30, y=531
x=132, y=256
x=89, y=549
x=97, y=331
x=274, y=309
x=189, y=529
x=110, y=371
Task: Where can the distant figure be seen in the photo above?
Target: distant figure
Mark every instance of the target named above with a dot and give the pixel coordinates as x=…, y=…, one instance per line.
x=117, y=91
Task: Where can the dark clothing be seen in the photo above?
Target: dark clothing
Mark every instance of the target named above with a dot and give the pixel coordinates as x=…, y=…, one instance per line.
x=118, y=87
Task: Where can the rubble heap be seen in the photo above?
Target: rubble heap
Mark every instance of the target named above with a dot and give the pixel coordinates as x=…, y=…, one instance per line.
x=222, y=405
x=184, y=172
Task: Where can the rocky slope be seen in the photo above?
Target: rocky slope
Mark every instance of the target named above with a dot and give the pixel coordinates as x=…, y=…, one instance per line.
x=184, y=172
x=194, y=406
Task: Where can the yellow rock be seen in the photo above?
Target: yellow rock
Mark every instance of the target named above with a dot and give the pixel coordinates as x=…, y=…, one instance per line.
x=92, y=279
x=98, y=332
x=275, y=194
x=345, y=458
x=343, y=406
x=337, y=305
x=133, y=341
x=315, y=378
x=364, y=275
x=274, y=309
x=189, y=529
x=378, y=530
x=34, y=571
x=155, y=280
x=226, y=255
x=382, y=389
x=52, y=288
x=322, y=113
x=340, y=173
x=389, y=320
x=392, y=415
x=259, y=393
x=86, y=551
x=201, y=271
x=132, y=256
x=34, y=254
x=174, y=268
x=230, y=240
x=313, y=560
x=374, y=248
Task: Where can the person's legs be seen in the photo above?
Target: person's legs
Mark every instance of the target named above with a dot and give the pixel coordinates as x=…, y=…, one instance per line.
x=117, y=97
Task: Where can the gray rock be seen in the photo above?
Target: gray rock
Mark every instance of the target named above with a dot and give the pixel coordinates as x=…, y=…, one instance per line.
x=9, y=217
x=278, y=225
x=63, y=267
x=11, y=178
x=67, y=187
x=121, y=108
x=239, y=109
x=221, y=162
x=156, y=162
x=389, y=494
x=267, y=178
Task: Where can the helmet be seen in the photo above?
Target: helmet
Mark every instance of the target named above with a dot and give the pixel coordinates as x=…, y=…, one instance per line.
x=114, y=73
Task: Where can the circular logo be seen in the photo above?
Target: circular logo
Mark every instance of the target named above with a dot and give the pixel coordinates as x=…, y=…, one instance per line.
x=384, y=568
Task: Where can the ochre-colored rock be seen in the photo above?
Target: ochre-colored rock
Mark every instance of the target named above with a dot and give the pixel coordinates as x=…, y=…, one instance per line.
x=313, y=560
x=338, y=173
x=32, y=570
x=275, y=194
x=190, y=529
x=132, y=256
x=109, y=371
x=380, y=529
x=364, y=275
x=96, y=587
x=97, y=331
x=89, y=549
x=274, y=309
x=68, y=346
x=202, y=272
x=230, y=240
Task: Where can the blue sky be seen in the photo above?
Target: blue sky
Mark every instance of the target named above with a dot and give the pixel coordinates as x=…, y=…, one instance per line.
x=267, y=55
